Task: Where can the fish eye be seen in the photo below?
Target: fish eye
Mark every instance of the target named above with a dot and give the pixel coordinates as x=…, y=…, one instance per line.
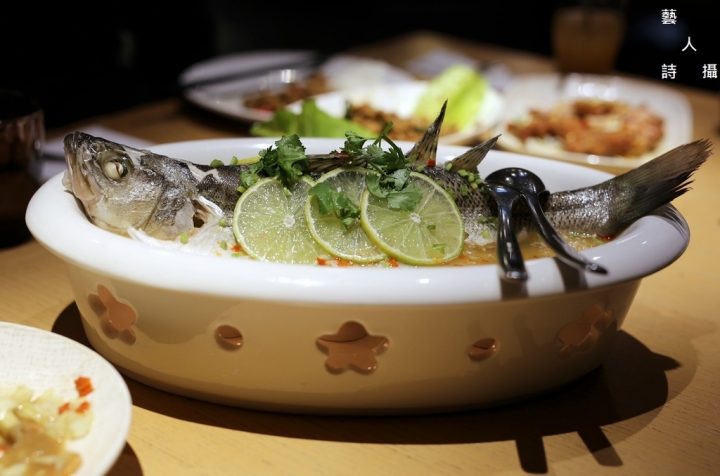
x=115, y=169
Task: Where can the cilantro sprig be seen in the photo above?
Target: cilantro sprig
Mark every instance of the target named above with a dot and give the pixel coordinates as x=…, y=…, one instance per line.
x=391, y=180
x=338, y=203
x=286, y=162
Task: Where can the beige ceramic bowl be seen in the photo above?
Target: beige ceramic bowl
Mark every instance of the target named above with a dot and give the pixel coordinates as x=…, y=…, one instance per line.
x=316, y=339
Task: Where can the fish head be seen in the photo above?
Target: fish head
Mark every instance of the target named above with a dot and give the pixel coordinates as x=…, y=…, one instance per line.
x=118, y=190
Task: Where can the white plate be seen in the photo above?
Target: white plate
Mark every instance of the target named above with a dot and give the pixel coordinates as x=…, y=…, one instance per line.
x=227, y=98
x=401, y=99
x=543, y=91
x=40, y=360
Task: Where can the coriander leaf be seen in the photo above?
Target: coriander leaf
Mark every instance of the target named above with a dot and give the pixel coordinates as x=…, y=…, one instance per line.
x=400, y=178
x=354, y=143
x=372, y=182
x=247, y=178
x=374, y=151
x=291, y=159
x=287, y=162
x=407, y=199
x=347, y=222
x=323, y=192
x=338, y=203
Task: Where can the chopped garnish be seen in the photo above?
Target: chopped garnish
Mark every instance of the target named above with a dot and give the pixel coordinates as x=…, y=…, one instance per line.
x=234, y=161
x=216, y=163
x=83, y=386
x=184, y=238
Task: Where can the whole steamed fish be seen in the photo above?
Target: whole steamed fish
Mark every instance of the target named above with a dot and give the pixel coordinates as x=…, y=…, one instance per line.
x=130, y=191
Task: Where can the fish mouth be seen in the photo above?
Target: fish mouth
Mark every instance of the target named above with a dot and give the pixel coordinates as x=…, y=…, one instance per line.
x=76, y=178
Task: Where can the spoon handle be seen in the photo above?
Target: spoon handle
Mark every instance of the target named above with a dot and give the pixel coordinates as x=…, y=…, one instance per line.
x=508, y=250
x=565, y=252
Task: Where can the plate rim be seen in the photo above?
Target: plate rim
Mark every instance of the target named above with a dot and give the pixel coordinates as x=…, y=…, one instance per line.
x=290, y=282
x=122, y=411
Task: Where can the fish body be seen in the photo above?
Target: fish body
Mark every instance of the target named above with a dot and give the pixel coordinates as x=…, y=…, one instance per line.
x=601, y=210
x=124, y=189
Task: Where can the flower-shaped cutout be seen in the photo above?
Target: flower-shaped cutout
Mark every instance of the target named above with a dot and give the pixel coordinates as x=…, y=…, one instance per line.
x=583, y=334
x=352, y=346
x=229, y=337
x=116, y=318
x=483, y=349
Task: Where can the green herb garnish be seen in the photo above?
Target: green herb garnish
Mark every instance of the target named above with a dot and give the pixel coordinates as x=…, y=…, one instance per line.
x=338, y=203
x=391, y=180
x=286, y=162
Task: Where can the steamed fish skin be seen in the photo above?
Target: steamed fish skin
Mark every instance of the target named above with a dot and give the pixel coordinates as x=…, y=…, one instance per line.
x=123, y=189
x=602, y=210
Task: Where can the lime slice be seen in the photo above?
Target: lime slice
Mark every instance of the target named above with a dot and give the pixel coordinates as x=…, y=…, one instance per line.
x=270, y=225
x=349, y=243
x=432, y=233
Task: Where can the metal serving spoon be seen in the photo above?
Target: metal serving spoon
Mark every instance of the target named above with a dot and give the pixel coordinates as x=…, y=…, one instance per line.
x=531, y=187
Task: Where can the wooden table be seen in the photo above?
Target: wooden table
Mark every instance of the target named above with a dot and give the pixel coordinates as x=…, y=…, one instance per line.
x=653, y=408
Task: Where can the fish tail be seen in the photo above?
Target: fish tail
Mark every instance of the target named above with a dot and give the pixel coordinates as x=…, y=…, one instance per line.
x=426, y=148
x=471, y=159
x=660, y=181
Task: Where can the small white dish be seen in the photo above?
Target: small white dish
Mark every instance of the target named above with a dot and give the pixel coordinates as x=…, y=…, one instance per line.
x=544, y=91
x=40, y=360
x=227, y=98
x=401, y=99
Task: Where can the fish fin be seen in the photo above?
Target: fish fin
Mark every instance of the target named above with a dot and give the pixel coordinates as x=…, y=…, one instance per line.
x=471, y=159
x=321, y=163
x=209, y=206
x=426, y=148
x=659, y=181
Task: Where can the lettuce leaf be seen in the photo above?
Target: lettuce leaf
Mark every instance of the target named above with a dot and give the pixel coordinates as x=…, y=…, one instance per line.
x=464, y=89
x=311, y=122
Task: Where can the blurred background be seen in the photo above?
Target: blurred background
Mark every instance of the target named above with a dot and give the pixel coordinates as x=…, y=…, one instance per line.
x=80, y=60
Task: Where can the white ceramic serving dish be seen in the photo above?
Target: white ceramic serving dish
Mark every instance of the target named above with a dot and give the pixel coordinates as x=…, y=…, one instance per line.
x=42, y=360
x=267, y=336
